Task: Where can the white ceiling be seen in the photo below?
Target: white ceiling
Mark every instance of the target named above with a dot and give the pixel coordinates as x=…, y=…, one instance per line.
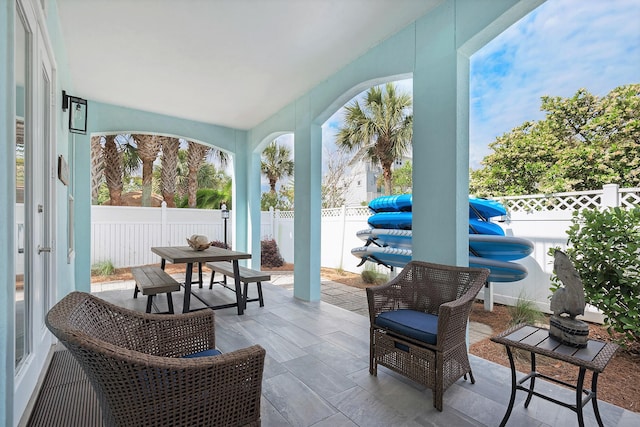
x=228, y=62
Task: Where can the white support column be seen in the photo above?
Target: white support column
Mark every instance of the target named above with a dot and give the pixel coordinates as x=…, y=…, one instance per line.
x=343, y=224
x=163, y=224
x=488, y=297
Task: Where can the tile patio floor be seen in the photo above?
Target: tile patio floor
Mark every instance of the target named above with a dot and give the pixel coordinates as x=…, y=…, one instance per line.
x=316, y=370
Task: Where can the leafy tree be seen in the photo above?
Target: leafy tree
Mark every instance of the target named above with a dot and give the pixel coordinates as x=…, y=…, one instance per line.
x=583, y=143
x=276, y=164
x=379, y=130
x=402, y=181
x=206, y=198
x=604, y=246
x=282, y=200
x=287, y=196
x=268, y=200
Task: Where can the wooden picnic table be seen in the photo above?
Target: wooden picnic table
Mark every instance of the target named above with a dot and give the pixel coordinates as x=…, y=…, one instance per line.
x=187, y=255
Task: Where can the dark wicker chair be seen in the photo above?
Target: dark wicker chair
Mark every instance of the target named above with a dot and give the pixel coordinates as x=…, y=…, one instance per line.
x=419, y=322
x=135, y=364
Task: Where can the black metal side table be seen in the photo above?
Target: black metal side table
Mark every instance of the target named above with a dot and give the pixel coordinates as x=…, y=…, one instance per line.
x=594, y=357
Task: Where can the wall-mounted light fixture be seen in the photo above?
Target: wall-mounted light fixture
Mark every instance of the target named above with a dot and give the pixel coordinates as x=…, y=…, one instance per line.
x=77, y=113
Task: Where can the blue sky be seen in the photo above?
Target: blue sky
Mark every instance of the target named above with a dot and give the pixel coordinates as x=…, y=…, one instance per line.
x=562, y=46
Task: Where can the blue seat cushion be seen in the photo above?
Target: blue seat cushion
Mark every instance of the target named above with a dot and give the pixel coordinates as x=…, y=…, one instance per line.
x=204, y=353
x=414, y=324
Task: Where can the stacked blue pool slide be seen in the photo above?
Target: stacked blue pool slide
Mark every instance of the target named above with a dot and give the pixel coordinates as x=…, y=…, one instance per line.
x=389, y=240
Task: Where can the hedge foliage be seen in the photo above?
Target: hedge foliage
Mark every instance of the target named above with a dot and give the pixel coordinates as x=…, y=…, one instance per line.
x=605, y=249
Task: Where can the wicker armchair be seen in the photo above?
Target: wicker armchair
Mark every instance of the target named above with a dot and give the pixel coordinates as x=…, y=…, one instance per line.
x=134, y=363
x=419, y=321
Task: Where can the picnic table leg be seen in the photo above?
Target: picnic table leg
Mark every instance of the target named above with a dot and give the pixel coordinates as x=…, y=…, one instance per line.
x=239, y=297
x=187, y=288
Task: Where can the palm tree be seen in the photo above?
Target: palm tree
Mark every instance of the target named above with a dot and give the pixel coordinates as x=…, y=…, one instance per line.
x=196, y=154
x=276, y=164
x=169, y=176
x=148, y=149
x=97, y=167
x=380, y=130
x=113, y=170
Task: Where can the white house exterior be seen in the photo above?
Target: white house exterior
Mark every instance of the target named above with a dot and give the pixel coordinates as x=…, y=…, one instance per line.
x=362, y=182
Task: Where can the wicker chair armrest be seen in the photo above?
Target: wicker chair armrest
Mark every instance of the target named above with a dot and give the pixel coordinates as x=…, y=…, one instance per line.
x=382, y=298
x=452, y=323
x=453, y=316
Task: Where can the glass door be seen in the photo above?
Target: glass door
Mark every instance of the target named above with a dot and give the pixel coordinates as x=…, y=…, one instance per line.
x=33, y=212
x=21, y=67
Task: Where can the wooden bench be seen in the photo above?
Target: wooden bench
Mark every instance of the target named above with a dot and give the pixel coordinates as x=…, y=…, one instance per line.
x=247, y=276
x=151, y=280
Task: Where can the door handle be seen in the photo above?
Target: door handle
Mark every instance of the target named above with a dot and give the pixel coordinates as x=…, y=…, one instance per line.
x=41, y=249
x=20, y=238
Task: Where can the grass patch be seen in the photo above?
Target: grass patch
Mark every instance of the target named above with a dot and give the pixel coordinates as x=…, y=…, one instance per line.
x=525, y=311
x=104, y=268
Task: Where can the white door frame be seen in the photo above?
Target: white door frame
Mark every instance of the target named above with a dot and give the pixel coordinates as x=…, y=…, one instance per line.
x=39, y=203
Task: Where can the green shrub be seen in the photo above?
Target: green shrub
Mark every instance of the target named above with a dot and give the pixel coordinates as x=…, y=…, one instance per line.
x=604, y=246
x=270, y=254
x=103, y=268
x=525, y=311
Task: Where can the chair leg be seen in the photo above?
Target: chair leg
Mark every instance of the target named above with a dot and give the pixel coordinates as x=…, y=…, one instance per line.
x=438, y=389
x=170, y=302
x=473, y=380
x=373, y=367
x=135, y=291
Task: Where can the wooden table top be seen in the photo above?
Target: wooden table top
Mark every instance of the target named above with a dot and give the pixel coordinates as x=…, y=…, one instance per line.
x=594, y=356
x=185, y=254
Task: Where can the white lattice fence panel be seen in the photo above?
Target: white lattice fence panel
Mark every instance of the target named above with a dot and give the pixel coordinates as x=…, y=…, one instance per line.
x=286, y=214
x=331, y=213
x=630, y=197
x=358, y=211
x=553, y=202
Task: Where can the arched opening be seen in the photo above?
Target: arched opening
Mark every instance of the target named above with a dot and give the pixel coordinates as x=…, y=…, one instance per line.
x=277, y=201
x=353, y=170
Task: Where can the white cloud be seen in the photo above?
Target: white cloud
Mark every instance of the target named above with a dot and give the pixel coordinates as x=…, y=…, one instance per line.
x=562, y=46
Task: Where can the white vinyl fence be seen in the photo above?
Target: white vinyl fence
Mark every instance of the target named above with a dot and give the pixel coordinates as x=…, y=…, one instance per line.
x=123, y=235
